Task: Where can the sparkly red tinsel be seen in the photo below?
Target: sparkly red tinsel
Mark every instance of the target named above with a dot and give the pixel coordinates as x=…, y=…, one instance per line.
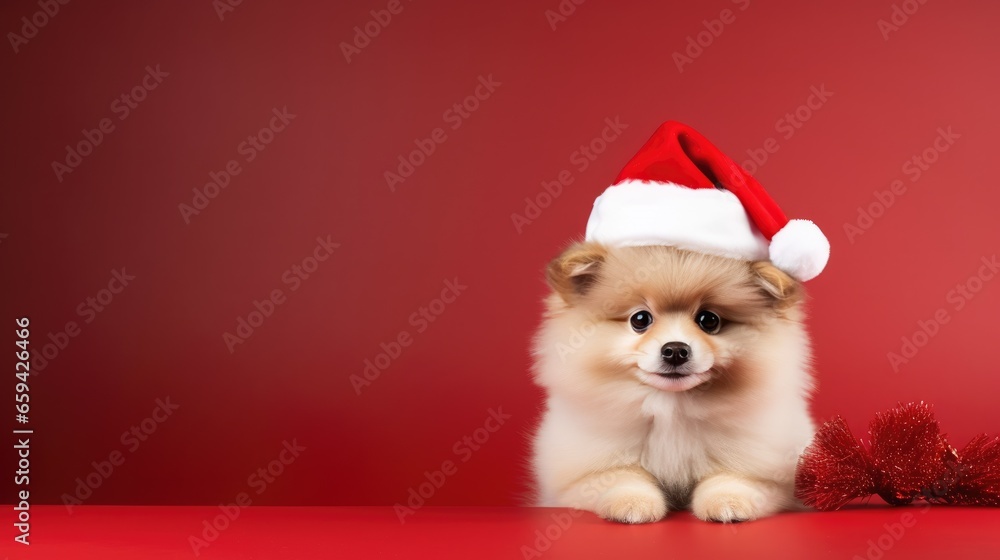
x=908, y=458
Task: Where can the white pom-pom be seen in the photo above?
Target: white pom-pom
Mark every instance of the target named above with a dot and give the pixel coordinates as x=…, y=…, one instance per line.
x=800, y=249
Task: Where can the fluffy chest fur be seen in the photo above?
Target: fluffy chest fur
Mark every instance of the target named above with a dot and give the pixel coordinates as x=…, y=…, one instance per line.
x=687, y=442
x=676, y=450
x=626, y=423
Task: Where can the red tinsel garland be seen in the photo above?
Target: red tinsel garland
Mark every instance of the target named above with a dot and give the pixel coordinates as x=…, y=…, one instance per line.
x=908, y=458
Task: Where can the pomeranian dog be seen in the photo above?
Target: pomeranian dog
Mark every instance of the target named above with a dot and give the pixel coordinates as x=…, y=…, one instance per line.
x=674, y=379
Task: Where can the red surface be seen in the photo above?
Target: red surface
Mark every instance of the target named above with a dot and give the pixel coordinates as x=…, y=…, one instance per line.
x=460, y=532
x=324, y=175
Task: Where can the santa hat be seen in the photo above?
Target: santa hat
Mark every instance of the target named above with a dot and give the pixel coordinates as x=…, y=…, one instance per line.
x=680, y=190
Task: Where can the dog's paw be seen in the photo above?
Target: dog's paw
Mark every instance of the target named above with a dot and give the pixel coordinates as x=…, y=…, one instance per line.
x=729, y=500
x=633, y=503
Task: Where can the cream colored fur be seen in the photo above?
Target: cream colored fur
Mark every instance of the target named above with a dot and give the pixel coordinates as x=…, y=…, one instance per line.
x=621, y=440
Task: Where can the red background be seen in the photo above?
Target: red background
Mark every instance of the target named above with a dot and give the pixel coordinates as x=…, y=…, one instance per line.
x=323, y=175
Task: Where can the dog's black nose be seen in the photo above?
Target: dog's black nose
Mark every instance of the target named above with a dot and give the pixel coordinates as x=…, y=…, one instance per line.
x=675, y=353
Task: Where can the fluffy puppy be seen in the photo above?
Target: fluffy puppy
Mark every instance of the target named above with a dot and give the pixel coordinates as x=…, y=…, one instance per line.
x=674, y=379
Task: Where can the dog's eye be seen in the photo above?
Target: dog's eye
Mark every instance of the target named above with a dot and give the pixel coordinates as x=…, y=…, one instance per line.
x=640, y=321
x=708, y=321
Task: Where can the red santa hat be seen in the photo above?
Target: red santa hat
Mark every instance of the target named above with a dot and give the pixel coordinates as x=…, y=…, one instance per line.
x=680, y=190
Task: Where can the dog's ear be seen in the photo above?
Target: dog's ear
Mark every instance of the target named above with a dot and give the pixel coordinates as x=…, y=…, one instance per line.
x=784, y=290
x=574, y=272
